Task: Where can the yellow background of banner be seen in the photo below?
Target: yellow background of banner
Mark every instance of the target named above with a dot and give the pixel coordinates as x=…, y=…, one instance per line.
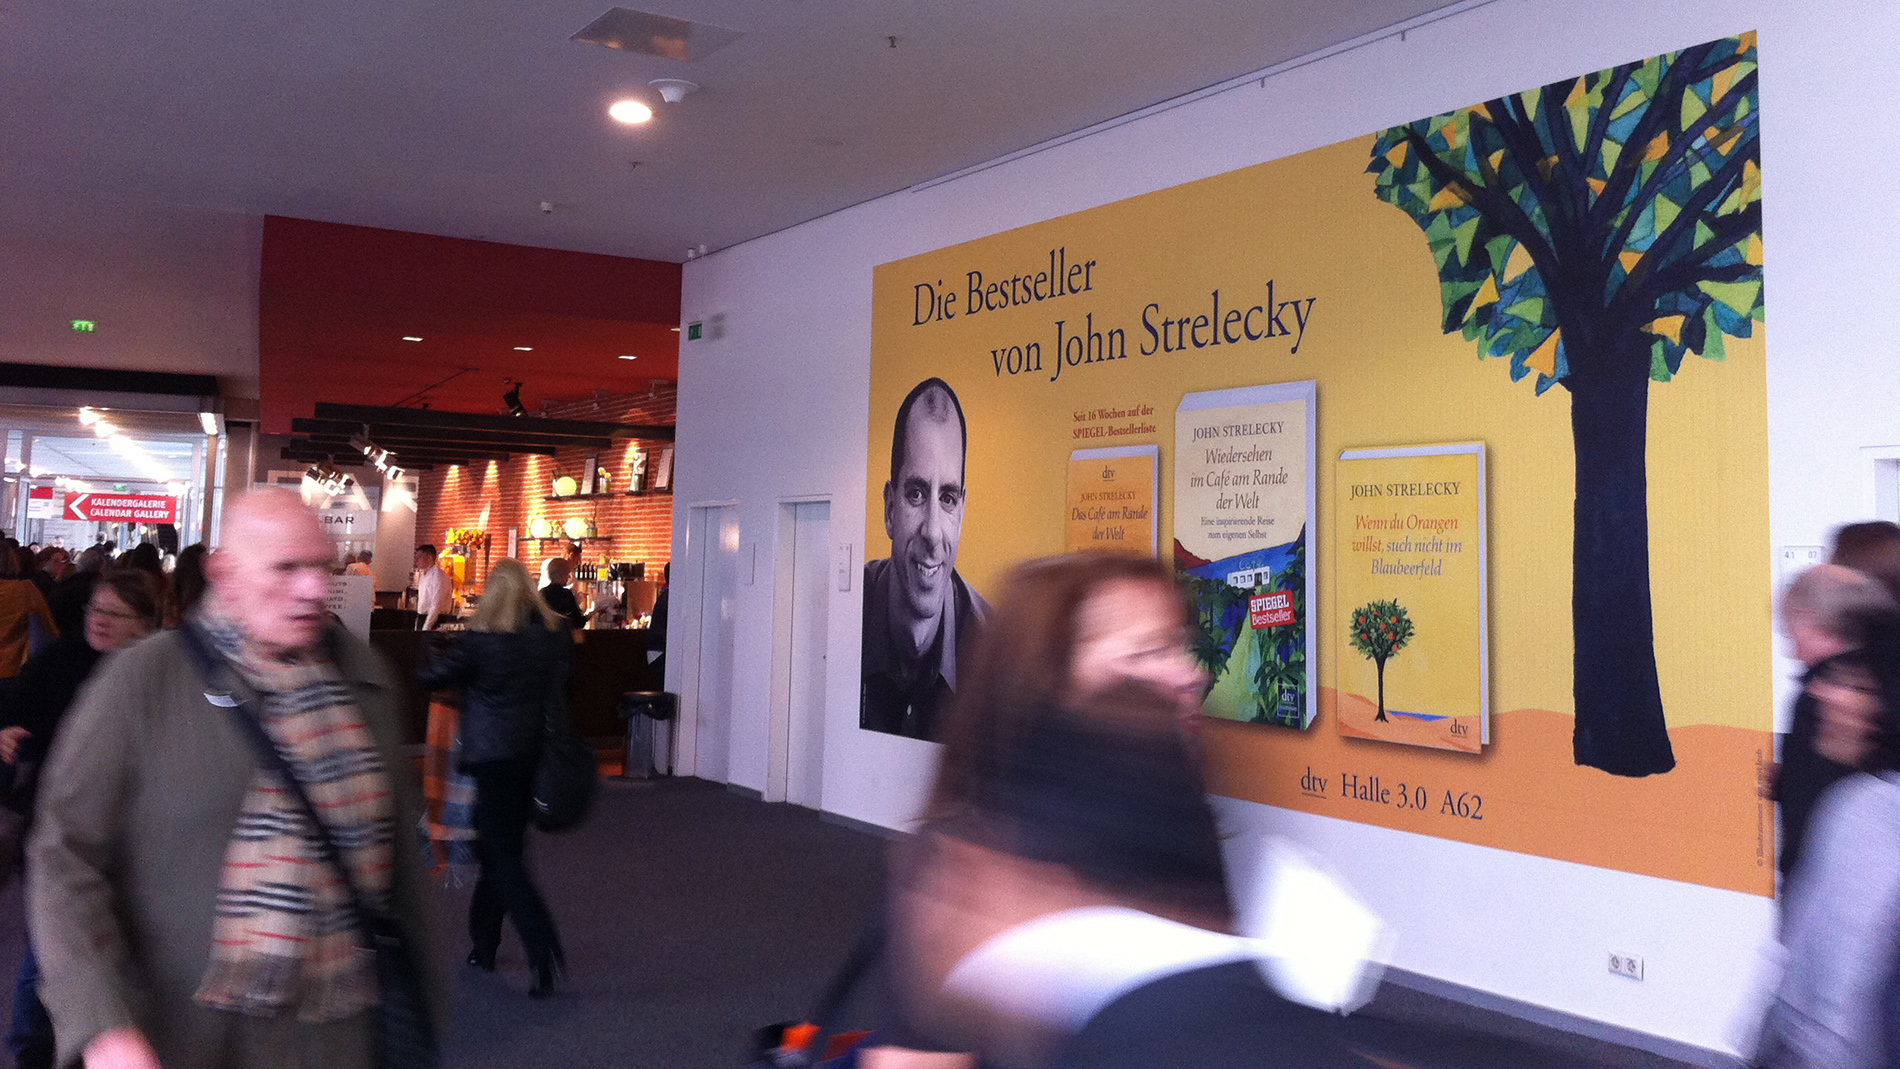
x=1387, y=376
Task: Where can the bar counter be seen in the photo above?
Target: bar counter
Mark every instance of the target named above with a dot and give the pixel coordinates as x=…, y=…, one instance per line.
x=607, y=664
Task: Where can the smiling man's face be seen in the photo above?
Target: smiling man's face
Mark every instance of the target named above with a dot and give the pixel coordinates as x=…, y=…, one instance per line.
x=923, y=511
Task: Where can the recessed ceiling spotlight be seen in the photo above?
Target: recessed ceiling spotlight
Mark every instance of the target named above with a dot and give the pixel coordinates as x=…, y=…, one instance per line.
x=524, y=348
x=410, y=337
x=629, y=358
x=631, y=112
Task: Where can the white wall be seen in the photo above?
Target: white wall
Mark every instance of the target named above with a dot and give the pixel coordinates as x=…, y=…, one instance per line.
x=778, y=406
x=172, y=289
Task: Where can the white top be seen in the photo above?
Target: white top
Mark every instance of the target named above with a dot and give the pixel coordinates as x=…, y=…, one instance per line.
x=1311, y=938
x=433, y=590
x=1059, y=970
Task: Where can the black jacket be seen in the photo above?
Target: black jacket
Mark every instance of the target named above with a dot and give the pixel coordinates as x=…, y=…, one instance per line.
x=1805, y=774
x=514, y=684
x=562, y=600
x=1213, y=1017
x=39, y=697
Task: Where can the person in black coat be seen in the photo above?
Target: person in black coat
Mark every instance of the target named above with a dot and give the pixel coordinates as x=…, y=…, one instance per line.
x=560, y=597
x=513, y=666
x=70, y=597
x=125, y=607
x=1818, y=614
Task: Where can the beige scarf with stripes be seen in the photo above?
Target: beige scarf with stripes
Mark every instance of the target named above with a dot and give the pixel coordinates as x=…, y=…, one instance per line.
x=286, y=938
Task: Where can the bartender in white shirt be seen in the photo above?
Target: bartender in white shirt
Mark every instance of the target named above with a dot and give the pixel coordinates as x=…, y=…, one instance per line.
x=433, y=589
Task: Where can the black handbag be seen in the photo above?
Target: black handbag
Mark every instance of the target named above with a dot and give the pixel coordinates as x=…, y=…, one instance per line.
x=566, y=779
x=405, y=1033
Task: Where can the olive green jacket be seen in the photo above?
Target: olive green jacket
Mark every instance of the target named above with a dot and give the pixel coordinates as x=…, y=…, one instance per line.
x=136, y=806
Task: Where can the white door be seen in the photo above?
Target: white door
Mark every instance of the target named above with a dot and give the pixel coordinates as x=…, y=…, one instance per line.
x=705, y=748
x=1884, y=482
x=801, y=618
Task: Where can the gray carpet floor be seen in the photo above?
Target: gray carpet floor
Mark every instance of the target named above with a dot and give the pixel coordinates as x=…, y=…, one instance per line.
x=692, y=915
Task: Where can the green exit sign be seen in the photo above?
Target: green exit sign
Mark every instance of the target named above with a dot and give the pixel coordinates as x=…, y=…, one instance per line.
x=84, y=326
x=692, y=332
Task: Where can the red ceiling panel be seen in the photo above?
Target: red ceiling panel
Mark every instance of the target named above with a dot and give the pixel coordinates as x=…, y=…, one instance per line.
x=336, y=301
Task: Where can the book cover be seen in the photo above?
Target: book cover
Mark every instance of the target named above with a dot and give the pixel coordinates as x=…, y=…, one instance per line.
x=1243, y=509
x=1112, y=500
x=1408, y=632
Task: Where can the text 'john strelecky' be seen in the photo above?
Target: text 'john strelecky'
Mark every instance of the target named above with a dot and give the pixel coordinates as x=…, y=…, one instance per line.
x=1244, y=314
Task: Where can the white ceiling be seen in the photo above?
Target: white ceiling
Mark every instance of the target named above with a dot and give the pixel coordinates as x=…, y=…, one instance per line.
x=459, y=118
x=62, y=445
x=91, y=458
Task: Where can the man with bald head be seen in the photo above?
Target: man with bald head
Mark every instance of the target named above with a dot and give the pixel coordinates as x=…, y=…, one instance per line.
x=185, y=912
x=920, y=617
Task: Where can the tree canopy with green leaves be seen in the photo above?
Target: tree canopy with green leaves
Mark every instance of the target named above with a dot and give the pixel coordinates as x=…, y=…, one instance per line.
x=1380, y=629
x=1594, y=232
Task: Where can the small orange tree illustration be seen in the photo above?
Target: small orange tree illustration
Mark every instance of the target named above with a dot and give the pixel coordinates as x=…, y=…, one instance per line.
x=1381, y=629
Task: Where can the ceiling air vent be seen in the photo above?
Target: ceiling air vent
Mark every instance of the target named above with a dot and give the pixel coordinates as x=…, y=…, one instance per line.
x=655, y=35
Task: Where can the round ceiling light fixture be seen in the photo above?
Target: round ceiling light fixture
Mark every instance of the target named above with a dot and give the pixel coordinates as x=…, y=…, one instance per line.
x=673, y=90
x=631, y=112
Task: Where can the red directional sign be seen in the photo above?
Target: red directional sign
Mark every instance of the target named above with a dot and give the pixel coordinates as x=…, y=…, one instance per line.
x=122, y=508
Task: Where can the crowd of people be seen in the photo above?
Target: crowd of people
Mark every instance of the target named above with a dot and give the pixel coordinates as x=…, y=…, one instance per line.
x=222, y=860
x=59, y=615
x=222, y=822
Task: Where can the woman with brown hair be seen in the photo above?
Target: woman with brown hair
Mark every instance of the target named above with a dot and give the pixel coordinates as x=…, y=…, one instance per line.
x=1069, y=792
x=21, y=604
x=55, y=562
x=1075, y=626
x=188, y=579
x=1086, y=655
x=1871, y=548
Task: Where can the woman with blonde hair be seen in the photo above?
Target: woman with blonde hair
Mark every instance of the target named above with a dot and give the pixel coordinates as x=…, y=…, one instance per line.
x=512, y=665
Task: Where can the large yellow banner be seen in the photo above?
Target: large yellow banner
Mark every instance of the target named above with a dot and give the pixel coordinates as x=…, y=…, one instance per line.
x=1570, y=276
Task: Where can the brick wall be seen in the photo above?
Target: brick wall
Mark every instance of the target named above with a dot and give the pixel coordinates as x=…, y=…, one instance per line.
x=498, y=495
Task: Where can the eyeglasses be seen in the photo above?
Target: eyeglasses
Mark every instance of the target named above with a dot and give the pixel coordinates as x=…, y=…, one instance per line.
x=114, y=614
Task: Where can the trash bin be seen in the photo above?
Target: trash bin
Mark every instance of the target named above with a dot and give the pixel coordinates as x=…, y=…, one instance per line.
x=649, y=716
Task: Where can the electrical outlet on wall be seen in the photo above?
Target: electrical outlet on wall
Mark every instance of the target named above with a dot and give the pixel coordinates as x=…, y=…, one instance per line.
x=1628, y=965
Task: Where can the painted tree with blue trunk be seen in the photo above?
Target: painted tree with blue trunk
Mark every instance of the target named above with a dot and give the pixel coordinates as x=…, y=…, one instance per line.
x=1593, y=232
